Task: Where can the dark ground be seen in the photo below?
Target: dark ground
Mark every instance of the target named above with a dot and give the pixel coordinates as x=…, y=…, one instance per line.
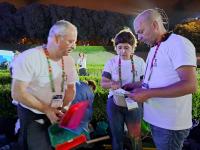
x=8, y=140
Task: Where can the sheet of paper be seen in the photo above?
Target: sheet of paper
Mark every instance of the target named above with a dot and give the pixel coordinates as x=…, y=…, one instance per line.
x=131, y=104
x=120, y=92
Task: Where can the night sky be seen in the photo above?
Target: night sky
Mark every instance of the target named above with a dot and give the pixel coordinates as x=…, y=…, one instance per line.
x=177, y=10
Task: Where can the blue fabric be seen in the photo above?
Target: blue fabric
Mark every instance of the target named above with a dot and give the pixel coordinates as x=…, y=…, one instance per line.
x=84, y=93
x=165, y=139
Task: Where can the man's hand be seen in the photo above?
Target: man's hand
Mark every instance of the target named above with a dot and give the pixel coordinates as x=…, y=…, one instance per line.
x=107, y=83
x=128, y=87
x=54, y=114
x=139, y=95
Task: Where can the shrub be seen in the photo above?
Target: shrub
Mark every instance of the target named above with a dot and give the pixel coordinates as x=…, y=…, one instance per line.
x=92, y=49
x=191, y=30
x=5, y=77
x=7, y=109
x=196, y=105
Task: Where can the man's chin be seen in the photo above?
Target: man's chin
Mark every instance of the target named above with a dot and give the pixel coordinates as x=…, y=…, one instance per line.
x=148, y=44
x=66, y=54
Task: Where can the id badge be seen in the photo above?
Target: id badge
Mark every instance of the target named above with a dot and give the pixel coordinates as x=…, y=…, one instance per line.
x=131, y=104
x=57, y=101
x=145, y=85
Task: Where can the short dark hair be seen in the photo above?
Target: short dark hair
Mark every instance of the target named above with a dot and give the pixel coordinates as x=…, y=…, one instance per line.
x=125, y=36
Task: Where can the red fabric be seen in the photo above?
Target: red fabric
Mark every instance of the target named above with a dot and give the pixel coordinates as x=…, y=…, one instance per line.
x=74, y=115
x=71, y=144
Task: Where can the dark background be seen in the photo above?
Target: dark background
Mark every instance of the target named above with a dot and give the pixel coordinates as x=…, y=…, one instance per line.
x=27, y=22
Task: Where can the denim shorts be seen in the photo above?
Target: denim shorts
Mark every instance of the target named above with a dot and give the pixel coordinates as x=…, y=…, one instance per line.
x=165, y=139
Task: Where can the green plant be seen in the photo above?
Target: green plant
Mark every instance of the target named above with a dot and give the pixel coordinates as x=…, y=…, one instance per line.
x=196, y=105
x=7, y=109
x=191, y=30
x=5, y=78
x=93, y=49
x=99, y=105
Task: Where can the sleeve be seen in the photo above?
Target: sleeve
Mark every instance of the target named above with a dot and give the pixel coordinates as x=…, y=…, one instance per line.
x=182, y=52
x=107, y=70
x=23, y=68
x=70, y=70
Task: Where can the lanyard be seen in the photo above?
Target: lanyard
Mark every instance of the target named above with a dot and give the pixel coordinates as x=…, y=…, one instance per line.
x=51, y=73
x=120, y=70
x=152, y=61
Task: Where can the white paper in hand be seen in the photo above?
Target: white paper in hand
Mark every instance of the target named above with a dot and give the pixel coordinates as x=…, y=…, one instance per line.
x=120, y=92
x=131, y=104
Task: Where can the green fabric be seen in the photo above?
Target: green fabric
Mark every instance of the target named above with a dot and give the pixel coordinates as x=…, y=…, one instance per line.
x=59, y=135
x=145, y=128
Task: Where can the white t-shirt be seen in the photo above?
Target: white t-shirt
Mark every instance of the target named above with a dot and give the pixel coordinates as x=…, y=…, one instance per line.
x=31, y=66
x=169, y=113
x=81, y=62
x=112, y=67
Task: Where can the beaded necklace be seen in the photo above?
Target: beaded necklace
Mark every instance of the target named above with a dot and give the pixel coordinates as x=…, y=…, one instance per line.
x=120, y=70
x=51, y=73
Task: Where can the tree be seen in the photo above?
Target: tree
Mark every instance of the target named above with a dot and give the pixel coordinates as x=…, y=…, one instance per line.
x=191, y=30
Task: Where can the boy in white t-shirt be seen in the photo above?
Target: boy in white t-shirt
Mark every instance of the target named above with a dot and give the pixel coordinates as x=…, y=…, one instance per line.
x=119, y=72
x=169, y=81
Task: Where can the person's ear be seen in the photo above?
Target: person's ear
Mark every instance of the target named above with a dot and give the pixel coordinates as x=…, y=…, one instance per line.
x=155, y=25
x=57, y=38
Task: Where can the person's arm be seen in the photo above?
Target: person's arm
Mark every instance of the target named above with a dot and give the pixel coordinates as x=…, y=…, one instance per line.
x=19, y=93
x=131, y=86
x=72, y=77
x=69, y=94
x=186, y=85
x=109, y=84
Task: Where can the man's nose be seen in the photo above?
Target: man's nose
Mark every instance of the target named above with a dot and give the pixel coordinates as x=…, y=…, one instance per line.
x=123, y=50
x=72, y=45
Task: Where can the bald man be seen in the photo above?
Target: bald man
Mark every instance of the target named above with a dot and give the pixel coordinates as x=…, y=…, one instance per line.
x=169, y=81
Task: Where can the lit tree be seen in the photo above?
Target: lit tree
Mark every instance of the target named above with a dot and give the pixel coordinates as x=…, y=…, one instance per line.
x=191, y=30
